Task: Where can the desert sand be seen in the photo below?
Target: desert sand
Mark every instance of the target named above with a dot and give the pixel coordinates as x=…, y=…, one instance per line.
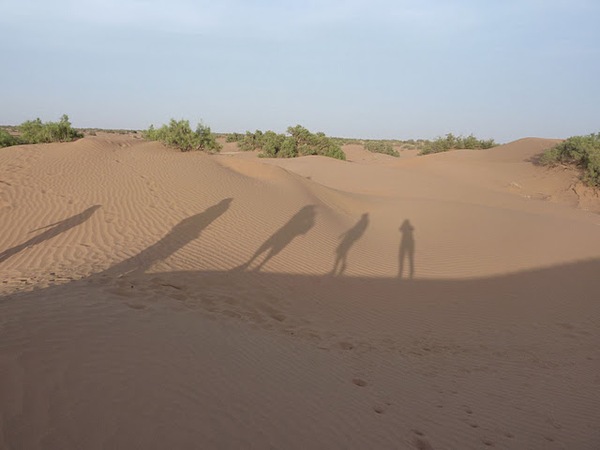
x=154, y=299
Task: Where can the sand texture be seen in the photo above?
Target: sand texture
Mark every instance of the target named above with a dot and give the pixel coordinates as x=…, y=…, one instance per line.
x=153, y=299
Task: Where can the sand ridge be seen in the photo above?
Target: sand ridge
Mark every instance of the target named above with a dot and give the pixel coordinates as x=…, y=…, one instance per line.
x=152, y=298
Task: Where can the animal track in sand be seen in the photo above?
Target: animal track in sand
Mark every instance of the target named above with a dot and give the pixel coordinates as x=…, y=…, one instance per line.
x=379, y=409
x=137, y=306
x=420, y=442
x=359, y=382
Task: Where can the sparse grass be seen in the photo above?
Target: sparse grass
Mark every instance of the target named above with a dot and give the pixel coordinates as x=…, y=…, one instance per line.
x=179, y=134
x=451, y=142
x=385, y=147
x=409, y=144
x=346, y=141
x=582, y=151
x=94, y=131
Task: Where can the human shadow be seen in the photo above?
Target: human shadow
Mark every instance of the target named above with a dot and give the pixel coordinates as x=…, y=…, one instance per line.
x=299, y=224
x=53, y=230
x=348, y=239
x=407, y=249
x=181, y=234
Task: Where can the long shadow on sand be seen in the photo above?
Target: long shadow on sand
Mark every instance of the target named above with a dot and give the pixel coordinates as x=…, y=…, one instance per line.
x=348, y=239
x=407, y=249
x=299, y=224
x=181, y=234
x=53, y=230
x=562, y=287
x=466, y=334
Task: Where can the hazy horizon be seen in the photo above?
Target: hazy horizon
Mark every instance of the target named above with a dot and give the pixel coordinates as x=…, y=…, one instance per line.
x=377, y=69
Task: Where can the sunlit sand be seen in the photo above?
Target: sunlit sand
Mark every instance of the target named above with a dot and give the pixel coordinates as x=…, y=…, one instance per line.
x=157, y=299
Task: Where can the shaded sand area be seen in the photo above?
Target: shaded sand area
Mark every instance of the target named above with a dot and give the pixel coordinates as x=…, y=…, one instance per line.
x=156, y=299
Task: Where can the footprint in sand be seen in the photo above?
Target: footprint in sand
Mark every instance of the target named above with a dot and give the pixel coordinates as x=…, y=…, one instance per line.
x=359, y=382
x=379, y=409
x=346, y=345
x=420, y=442
x=137, y=306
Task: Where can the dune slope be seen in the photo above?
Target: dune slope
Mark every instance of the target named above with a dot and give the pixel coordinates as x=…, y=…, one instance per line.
x=153, y=299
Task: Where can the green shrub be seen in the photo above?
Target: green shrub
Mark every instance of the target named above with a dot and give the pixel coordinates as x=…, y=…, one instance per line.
x=451, y=142
x=35, y=131
x=271, y=145
x=298, y=142
x=384, y=147
x=251, y=141
x=234, y=137
x=308, y=143
x=582, y=151
x=7, y=139
x=179, y=134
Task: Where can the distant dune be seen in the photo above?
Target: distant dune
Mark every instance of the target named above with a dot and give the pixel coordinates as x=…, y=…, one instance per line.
x=157, y=299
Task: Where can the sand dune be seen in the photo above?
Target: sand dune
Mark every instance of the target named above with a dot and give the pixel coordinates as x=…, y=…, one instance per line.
x=158, y=299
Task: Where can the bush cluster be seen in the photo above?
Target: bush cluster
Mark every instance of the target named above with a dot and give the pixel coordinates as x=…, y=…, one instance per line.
x=298, y=141
x=251, y=141
x=179, y=134
x=37, y=132
x=7, y=139
x=234, y=137
x=451, y=142
x=384, y=147
x=582, y=151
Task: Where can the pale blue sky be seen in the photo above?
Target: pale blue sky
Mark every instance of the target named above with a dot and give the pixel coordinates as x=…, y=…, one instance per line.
x=500, y=69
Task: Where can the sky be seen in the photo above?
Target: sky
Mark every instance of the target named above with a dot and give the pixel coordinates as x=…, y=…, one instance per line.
x=378, y=69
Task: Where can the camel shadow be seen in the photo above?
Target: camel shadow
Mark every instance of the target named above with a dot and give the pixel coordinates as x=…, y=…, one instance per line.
x=181, y=234
x=53, y=230
x=299, y=224
x=348, y=238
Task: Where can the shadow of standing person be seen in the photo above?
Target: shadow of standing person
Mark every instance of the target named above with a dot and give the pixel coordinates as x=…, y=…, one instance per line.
x=181, y=234
x=298, y=225
x=407, y=249
x=54, y=230
x=348, y=239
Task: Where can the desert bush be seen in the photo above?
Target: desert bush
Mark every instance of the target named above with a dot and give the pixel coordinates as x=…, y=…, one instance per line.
x=271, y=145
x=7, y=139
x=451, y=142
x=308, y=143
x=384, y=147
x=582, y=151
x=179, y=134
x=35, y=131
x=251, y=141
x=297, y=142
x=234, y=137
